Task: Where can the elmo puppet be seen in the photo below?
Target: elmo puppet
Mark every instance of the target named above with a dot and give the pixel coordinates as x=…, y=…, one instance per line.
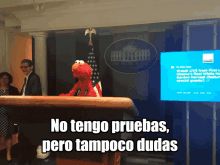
x=83, y=87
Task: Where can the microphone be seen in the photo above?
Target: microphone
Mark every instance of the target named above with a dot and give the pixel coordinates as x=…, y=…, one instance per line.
x=86, y=91
x=77, y=92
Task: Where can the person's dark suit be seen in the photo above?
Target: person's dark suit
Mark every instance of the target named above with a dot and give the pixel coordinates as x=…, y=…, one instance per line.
x=33, y=88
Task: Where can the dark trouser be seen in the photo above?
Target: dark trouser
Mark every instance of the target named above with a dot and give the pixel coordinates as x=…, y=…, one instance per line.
x=30, y=137
x=27, y=150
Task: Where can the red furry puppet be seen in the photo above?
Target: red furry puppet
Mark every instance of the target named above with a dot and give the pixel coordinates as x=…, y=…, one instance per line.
x=84, y=86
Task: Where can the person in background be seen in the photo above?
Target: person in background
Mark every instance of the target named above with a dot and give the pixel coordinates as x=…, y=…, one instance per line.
x=7, y=128
x=31, y=87
x=32, y=84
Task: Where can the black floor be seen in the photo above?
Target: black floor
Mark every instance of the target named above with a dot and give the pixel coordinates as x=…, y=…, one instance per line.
x=51, y=160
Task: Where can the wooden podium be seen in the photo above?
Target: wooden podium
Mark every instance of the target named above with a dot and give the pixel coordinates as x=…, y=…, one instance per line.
x=33, y=114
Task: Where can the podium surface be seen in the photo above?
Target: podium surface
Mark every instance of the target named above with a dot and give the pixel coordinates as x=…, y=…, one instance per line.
x=33, y=114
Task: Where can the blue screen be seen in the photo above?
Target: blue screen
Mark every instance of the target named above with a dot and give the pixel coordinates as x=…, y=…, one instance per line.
x=190, y=76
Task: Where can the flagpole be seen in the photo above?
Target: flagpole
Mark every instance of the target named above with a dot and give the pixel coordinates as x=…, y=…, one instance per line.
x=93, y=64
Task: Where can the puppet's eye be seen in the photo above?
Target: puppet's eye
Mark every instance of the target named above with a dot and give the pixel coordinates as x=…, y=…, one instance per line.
x=77, y=61
x=81, y=62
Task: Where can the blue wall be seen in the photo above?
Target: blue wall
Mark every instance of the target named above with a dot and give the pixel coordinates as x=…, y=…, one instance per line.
x=176, y=111
x=154, y=109
x=218, y=113
x=201, y=114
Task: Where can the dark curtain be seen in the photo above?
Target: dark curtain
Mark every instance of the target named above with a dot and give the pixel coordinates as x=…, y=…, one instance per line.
x=33, y=52
x=51, y=64
x=105, y=72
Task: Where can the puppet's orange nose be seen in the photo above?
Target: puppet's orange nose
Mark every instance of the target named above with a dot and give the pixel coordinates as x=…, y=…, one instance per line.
x=74, y=66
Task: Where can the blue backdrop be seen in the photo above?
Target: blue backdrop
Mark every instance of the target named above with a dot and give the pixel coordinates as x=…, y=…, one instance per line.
x=66, y=48
x=201, y=113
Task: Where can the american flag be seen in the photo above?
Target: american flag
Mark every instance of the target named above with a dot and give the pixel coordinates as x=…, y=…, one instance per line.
x=95, y=74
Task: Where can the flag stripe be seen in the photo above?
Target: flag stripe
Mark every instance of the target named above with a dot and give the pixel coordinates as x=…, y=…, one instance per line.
x=97, y=93
x=99, y=89
x=100, y=85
